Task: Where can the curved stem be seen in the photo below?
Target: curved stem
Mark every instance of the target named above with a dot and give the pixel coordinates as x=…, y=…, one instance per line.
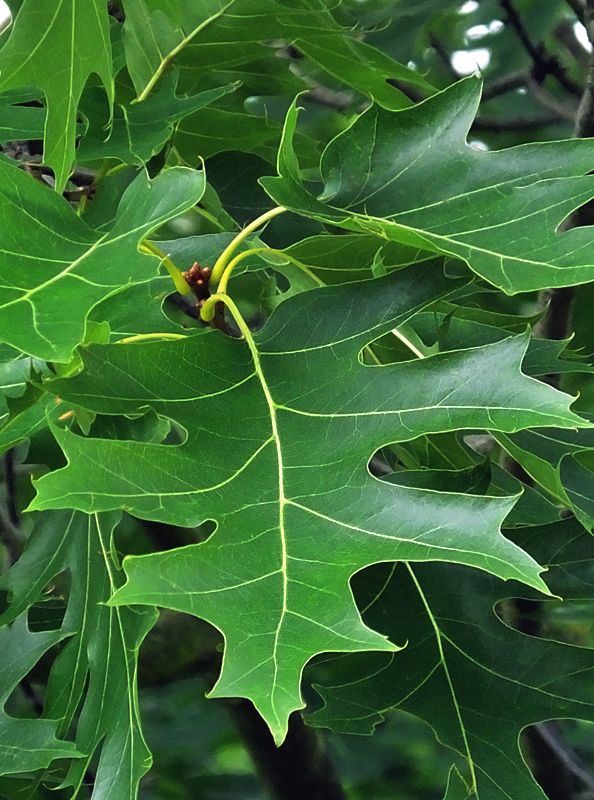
x=208, y=311
x=222, y=287
x=178, y=279
x=224, y=258
x=209, y=306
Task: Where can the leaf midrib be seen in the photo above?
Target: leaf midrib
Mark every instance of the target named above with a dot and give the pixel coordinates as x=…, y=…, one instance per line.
x=282, y=501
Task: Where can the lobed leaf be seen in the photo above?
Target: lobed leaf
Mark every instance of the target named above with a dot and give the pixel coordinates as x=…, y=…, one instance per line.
x=410, y=177
x=262, y=412
x=91, y=692
x=44, y=50
x=473, y=678
x=54, y=268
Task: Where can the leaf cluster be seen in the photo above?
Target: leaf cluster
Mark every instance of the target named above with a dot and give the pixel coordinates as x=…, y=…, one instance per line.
x=276, y=354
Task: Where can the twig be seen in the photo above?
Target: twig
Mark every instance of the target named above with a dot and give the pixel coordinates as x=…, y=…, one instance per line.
x=507, y=83
x=323, y=96
x=544, y=63
x=444, y=56
x=519, y=123
x=549, y=732
x=566, y=111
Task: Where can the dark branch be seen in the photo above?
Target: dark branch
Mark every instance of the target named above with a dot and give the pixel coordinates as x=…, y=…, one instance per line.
x=564, y=33
x=507, y=83
x=519, y=123
x=549, y=733
x=444, y=56
x=299, y=768
x=10, y=533
x=544, y=63
x=556, y=322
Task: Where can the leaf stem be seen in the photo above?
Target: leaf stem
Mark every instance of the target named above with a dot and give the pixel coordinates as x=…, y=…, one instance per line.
x=222, y=287
x=176, y=275
x=223, y=260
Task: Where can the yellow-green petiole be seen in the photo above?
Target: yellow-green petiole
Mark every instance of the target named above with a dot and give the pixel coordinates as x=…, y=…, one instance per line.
x=176, y=274
x=223, y=260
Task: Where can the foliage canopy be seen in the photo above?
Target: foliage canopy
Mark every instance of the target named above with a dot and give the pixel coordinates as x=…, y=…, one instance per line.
x=285, y=346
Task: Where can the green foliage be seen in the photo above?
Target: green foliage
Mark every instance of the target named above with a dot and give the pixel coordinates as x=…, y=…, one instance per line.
x=352, y=461
x=26, y=55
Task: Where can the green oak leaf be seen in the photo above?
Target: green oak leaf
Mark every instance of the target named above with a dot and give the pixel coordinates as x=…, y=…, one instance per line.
x=204, y=33
x=338, y=259
x=139, y=130
x=454, y=331
x=19, y=122
x=24, y=409
x=360, y=66
x=218, y=130
x=54, y=268
x=560, y=462
x=92, y=682
x=278, y=459
x=22, y=417
x=15, y=371
x=409, y=176
x=26, y=744
x=473, y=678
x=532, y=509
x=44, y=50
x=577, y=478
x=568, y=552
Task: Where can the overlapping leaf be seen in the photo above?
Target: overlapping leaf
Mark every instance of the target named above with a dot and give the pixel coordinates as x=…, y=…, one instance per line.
x=409, y=176
x=45, y=50
x=475, y=680
x=560, y=462
x=279, y=462
x=138, y=131
x=232, y=33
x=26, y=744
x=54, y=268
x=93, y=678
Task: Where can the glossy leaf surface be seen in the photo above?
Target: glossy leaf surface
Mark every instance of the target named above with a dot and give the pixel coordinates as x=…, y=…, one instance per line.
x=286, y=555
